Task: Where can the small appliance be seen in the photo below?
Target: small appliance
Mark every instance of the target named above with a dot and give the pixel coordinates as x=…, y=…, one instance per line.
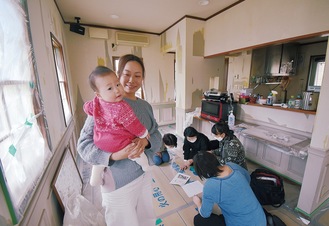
x=216, y=96
x=216, y=110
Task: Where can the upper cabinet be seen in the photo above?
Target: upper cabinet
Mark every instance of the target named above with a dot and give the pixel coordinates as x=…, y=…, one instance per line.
x=278, y=60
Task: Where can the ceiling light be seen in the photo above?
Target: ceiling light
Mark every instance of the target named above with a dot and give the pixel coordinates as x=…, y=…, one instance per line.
x=203, y=2
x=113, y=16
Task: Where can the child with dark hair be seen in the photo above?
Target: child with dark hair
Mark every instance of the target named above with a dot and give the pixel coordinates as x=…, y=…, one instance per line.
x=227, y=147
x=194, y=142
x=228, y=186
x=170, y=142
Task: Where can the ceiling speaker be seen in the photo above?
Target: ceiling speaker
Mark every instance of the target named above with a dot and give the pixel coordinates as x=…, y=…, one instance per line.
x=77, y=28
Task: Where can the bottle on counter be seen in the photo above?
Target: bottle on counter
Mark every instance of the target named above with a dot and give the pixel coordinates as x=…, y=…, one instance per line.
x=269, y=100
x=274, y=94
x=291, y=102
x=231, y=120
x=298, y=102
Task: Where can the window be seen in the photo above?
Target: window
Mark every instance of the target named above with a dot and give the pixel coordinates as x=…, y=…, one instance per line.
x=115, y=59
x=23, y=132
x=316, y=72
x=62, y=79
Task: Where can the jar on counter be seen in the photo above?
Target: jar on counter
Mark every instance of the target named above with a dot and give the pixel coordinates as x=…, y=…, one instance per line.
x=253, y=98
x=298, y=102
x=291, y=102
x=243, y=98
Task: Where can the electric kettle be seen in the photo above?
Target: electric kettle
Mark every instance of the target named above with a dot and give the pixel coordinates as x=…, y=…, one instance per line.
x=310, y=101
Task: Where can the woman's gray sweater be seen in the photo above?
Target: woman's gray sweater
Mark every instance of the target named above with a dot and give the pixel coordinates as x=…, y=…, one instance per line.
x=121, y=172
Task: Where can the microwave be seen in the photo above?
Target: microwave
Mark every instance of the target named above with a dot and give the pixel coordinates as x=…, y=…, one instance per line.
x=216, y=110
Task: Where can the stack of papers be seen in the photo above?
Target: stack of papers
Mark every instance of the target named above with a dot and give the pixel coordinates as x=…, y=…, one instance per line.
x=191, y=188
x=180, y=179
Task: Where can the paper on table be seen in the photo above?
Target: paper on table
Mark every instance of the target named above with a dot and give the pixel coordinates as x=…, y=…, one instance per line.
x=193, y=188
x=180, y=179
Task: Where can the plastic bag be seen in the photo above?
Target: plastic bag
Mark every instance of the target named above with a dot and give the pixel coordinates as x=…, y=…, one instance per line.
x=80, y=212
x=190, y=116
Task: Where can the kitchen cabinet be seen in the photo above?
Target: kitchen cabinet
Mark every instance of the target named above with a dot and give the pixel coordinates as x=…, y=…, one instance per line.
x=274, y=60
x=285, y=160
x=274, y=157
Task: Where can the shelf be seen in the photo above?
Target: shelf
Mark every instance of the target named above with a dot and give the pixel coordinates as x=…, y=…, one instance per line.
x=273, y=83
x=283, y=109
x=280, y=74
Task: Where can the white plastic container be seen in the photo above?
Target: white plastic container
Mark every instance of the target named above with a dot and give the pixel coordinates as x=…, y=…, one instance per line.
x=231, y=120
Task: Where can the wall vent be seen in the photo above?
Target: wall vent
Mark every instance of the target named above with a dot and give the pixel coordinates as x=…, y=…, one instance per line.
x=133, y=39
x=98, y=33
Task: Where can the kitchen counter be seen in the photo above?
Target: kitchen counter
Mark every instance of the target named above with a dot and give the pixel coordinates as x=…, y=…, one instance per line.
x=286, y=142
x=283, y=109
x=282, y=151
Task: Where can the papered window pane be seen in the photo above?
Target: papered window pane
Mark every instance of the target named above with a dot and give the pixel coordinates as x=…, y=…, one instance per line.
x=24, y=152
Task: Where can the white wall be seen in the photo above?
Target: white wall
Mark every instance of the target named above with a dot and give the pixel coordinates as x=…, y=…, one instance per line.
x=289, y=121
x=192, y=71
x=256, y=22
x=84, y=55
x=198, y=70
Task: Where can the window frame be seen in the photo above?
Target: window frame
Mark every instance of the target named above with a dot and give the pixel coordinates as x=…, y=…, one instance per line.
x=62, y=80
x=313, y=72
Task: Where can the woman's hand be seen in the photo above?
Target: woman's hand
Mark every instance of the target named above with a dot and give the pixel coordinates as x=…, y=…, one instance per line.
x=123, y=153
x=159, y=154
x=186, y=164
x=140, y=144
x=133, y=150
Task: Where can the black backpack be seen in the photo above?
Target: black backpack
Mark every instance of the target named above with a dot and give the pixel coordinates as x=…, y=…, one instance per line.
x=268, y=187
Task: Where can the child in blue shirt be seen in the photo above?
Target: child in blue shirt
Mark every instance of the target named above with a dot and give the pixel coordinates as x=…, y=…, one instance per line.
x=228, y=186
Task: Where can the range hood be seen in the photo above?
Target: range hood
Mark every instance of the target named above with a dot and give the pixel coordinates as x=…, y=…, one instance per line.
x=281, y=60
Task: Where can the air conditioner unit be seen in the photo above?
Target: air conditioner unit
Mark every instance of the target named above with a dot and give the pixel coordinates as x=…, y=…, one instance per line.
x=133, y=39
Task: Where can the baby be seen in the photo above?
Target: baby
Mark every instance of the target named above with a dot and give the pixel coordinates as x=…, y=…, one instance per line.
x=116, y=125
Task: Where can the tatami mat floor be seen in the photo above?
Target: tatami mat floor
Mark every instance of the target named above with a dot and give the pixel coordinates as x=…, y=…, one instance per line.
x=174, y=208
